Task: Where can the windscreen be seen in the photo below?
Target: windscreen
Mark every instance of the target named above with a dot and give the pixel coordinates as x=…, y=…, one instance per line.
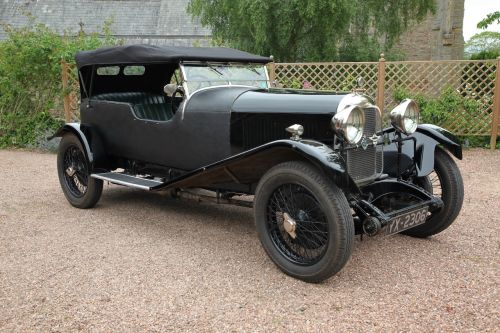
x=202, y=76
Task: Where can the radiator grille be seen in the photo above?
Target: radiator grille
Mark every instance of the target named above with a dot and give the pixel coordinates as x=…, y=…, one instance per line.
x=254, y=130
x=364, y=165
x=251, y=130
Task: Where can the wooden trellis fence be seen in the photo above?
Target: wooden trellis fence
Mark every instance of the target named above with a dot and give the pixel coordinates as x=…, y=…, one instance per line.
x=477, y=80
x=71, y=92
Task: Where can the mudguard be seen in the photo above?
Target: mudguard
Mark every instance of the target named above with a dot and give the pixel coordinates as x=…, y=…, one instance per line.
x=428, y=137
x=91, y=142
x=249, y=166
x=76, y=130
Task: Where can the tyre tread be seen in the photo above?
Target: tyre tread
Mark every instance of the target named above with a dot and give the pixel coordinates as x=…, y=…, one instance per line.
x=338, y=203
x=443, y=162
x=94, y=186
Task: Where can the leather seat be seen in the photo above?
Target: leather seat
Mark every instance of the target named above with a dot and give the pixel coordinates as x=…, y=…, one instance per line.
x=145, y=105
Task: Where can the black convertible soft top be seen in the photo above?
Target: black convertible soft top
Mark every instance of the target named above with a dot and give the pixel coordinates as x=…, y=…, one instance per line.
x=144, y=54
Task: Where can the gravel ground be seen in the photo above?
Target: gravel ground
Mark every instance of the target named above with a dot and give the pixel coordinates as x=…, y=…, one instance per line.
x=144, y=262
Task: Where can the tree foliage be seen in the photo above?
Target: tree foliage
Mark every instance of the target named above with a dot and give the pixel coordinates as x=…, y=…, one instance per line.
x=312, y=30
x=484, y=45
x=491, y=18
x=30, y=79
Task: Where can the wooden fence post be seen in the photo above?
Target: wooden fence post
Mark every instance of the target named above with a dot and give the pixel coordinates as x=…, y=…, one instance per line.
x=65, y=84
x=271, y=70
x=496, y=107
x=381, y=83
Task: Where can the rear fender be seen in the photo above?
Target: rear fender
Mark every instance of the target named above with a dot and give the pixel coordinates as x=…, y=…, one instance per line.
x=428, y=137
x=91, y=142
x=77, y=131
x=249, y=166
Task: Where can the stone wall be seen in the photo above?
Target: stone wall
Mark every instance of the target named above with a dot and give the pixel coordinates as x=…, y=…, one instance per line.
x=439, y=37
x=165, y=22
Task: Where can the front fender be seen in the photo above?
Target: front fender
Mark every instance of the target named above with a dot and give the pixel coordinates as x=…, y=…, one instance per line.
x=428, y=136
x=249, y=166
x=443, y=137
x=76, y=130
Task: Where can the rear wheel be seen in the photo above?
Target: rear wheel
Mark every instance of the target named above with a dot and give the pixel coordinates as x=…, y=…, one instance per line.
x=303, y=221
x=445, y=182
x=78, y=187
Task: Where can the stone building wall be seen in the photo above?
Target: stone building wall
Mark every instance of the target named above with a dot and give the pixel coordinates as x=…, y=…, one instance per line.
x=439, y=37
x=165, y=22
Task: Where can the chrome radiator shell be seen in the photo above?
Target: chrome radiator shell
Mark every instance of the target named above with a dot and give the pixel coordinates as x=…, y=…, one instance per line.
x=365, y=162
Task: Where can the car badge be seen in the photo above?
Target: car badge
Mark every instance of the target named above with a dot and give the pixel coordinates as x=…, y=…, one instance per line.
x=364, y=142
x=374, y=138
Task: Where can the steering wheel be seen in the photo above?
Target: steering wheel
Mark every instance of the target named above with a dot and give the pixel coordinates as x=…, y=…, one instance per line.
x=173, y=105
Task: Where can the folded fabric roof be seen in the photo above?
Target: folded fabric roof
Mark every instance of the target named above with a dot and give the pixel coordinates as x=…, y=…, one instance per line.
x=144, y=54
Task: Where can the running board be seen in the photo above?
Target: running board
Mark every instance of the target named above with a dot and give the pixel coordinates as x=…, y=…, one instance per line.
x=128, y=180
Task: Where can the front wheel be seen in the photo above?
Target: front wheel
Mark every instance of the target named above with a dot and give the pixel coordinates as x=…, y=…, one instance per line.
x=303, y=221
x=446, y=182
x=81, y=190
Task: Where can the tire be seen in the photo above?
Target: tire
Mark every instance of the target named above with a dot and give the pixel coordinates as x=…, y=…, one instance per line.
x=320, y=214
x=447, y=183
x=78, y=187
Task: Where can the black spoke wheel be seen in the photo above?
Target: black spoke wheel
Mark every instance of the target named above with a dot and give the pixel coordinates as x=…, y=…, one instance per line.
x=80, y=189
x=306, y=239
x=445, y=182
x=75, y=171
x=303, y=221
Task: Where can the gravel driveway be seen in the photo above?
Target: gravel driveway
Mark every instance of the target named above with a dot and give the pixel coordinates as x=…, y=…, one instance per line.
x=144, y=262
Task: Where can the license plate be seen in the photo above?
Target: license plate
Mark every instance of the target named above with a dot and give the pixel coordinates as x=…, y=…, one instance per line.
x=407, y=220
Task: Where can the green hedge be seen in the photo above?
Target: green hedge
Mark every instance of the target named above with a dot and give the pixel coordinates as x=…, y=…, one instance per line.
x=30, y=80
x=441, y=110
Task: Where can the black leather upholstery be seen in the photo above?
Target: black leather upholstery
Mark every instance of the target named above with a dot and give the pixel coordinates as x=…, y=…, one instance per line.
x=145, y=105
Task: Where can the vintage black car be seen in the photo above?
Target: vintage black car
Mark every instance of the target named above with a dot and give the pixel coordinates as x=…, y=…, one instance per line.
x=206, y=123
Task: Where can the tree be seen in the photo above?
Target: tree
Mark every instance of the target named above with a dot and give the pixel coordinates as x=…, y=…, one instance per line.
x=313, y=30
x=489, y=19
x=484, y=45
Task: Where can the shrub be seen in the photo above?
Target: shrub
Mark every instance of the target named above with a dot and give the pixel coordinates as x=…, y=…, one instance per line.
x=450, y=107
x=30, y=80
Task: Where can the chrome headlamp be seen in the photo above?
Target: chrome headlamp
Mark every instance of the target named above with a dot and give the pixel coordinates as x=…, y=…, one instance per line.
x=350, y=123
x=405, y=116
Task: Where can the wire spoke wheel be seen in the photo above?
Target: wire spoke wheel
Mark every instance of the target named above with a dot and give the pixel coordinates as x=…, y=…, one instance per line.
x=436, y=188
x=75, y=171
x=298, y=227
x=303, y=221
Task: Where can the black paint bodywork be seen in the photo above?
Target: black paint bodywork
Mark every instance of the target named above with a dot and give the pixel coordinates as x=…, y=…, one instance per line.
x=214, y=124
x=225, y=137
x=427, y=137
x=211, y=141
x=247, y=167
